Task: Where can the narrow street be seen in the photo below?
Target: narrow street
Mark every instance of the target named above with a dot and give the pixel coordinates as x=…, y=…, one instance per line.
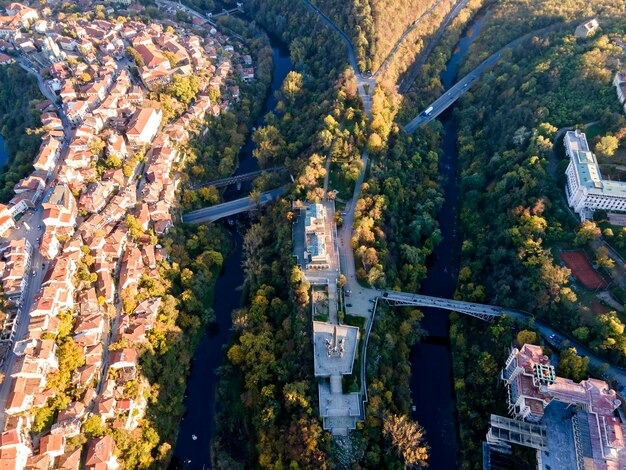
x=31, y=228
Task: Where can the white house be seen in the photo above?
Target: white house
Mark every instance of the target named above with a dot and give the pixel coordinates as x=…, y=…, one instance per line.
x=588, y=28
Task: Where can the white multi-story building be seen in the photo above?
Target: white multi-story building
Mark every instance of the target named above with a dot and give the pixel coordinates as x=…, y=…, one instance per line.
x=586, y=190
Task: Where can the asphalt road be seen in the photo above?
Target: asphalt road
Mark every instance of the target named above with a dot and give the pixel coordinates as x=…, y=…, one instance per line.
x=460, y=88
x=34, y=286
x=219, y=211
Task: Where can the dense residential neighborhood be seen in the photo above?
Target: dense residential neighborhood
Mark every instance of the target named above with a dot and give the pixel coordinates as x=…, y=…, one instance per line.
x=80, y=237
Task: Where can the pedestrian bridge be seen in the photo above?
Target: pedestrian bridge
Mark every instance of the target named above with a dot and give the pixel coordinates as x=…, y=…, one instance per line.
x=480, y=311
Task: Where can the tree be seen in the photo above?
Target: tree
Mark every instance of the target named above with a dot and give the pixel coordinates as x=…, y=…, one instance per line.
x=134, y=227
x=602, y=258
x=184, y=88
x=526, y=337
x=587, y=232
x=135, y=56
x=572, y=366
x=93, y=427
x=606, y=146
x=408, y=439
x=171, y=58
x=292, y=85
x=269, y=145
x=96, y=146
x=581, y=333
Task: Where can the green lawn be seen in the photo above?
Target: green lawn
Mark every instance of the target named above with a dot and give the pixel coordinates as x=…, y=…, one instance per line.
x=338, y=182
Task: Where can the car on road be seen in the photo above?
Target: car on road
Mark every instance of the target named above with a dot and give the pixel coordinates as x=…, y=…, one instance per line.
x=33, y=272
x=465, y=85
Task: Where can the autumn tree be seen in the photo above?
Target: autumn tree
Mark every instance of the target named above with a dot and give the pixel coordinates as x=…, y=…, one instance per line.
x=603, y=259
x=132, y=53
x=407, y=437
x=292, y=86
x=606, y=146
x=587, y=232
x=526, y=337
x=270, y=145
x=93, y=426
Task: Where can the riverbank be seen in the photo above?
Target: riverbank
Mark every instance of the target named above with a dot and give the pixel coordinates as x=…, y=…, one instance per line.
x=432, y=378
x=193, y=446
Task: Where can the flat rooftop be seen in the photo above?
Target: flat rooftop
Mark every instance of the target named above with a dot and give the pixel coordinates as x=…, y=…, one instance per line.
x=336, y=364
x=588, y=169
x=560, y=436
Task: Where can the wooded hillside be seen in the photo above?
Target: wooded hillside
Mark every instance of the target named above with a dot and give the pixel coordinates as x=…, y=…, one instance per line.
x=374, y=26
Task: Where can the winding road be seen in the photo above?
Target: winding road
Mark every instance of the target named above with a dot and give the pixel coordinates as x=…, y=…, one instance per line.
x=365, y=85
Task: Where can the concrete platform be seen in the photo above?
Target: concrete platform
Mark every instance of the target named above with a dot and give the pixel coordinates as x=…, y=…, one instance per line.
x=340, y=412
x=336, y=364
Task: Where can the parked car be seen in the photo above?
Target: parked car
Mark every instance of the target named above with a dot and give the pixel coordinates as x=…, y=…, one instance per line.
x=348, y=305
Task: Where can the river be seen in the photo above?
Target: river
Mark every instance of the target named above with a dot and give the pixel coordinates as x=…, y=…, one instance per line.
x=431, y=360
x=193, y=447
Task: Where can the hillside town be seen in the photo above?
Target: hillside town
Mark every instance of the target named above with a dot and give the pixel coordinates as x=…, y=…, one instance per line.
x=81, y=235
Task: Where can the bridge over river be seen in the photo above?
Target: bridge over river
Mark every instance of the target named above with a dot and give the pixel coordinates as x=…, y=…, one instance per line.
x=230, y=208
x=481, y=311
x=239, y=178
x=460, y=88
x=489, y=312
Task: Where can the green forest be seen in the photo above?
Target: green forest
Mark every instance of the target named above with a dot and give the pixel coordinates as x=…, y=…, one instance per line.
x=20, y=124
